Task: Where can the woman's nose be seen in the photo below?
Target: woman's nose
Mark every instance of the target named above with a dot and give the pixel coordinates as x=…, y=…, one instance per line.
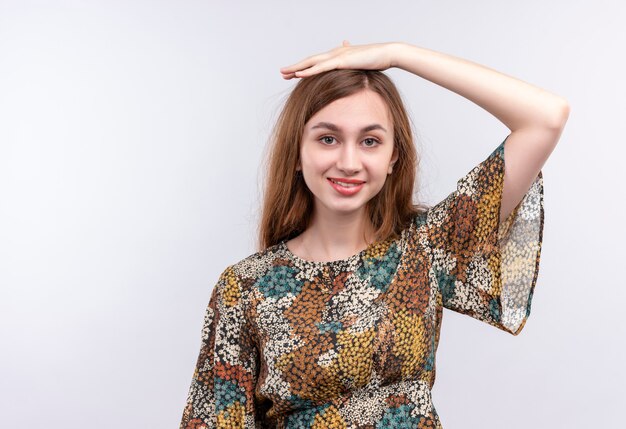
x=349, y=159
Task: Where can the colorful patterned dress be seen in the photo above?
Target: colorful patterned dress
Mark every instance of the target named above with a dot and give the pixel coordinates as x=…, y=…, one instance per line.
x=291, y=343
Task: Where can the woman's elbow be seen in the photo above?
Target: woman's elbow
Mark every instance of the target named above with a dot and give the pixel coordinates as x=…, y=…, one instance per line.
x=560, y=115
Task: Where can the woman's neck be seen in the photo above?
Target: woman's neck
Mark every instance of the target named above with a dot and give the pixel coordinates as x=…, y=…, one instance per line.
x=332, y=237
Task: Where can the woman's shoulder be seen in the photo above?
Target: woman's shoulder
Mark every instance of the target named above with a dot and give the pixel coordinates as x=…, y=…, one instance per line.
x=257, y=264
x=419, y=217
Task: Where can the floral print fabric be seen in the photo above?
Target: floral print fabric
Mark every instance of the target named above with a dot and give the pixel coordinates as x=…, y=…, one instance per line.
x=291, y=343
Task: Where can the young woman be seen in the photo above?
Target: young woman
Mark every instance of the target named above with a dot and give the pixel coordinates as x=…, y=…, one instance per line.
x=335, y=322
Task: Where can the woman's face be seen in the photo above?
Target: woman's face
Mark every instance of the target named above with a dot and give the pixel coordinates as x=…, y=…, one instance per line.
x=350, y=139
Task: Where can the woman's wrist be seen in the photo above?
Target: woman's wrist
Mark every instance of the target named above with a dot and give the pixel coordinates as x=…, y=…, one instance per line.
x=398, y=52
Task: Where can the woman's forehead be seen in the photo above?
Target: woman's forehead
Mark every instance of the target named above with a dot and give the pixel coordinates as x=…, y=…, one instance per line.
x=357, y=111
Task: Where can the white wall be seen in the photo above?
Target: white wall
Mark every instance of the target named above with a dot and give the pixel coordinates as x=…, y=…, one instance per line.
x=131, y=134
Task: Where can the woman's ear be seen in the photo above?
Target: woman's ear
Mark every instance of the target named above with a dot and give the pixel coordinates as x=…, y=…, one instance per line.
x=394, y=159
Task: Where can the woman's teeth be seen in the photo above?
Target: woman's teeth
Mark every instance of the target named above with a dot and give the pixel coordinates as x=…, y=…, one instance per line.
x=345, y=185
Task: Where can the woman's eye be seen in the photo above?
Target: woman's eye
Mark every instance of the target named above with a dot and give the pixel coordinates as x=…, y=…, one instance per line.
x=327, y=139
x=370, y=142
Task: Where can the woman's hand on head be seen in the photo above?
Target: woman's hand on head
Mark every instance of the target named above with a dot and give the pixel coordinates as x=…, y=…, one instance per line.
x=376, y=56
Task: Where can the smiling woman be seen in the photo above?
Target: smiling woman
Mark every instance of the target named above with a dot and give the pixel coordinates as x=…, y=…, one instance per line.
x=335, y=321
x=350, y=124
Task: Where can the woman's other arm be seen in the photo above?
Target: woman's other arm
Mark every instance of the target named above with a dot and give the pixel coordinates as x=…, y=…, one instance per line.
x=535, y=116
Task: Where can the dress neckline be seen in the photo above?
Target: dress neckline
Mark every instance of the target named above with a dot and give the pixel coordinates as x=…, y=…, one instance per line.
x=302, y=261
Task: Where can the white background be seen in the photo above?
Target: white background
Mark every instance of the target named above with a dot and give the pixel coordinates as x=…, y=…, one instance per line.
x=132, y=136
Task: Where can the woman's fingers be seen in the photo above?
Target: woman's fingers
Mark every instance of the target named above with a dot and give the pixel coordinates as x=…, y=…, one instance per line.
x=314, y=69
x=304, y=67
x=306, y=63
x=317, y=68
x=288, y=75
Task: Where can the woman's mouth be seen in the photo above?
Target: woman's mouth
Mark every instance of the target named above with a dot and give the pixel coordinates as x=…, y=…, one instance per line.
x=346, y=188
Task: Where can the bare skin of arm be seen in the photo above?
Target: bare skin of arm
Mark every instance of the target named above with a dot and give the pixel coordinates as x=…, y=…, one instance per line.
x=535, y=116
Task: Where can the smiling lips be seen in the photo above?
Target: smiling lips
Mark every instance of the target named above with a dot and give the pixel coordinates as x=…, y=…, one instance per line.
x=346, y=186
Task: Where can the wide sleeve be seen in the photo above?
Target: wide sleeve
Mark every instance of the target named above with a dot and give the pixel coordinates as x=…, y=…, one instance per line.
x=484, y=268
x=223, y=384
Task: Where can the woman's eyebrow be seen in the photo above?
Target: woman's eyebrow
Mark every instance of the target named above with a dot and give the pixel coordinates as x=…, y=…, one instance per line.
x=333, y=127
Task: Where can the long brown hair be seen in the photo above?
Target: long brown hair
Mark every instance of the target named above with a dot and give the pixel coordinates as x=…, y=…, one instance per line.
x=288, y=202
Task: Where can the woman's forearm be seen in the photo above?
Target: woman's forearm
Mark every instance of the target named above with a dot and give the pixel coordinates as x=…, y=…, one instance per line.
x=517, y=104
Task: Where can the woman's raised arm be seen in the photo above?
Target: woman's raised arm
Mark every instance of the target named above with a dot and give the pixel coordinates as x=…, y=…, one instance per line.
x=535, y=116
